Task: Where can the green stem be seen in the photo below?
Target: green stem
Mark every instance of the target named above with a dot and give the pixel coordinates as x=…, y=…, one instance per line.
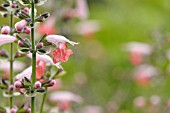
x=43, y=101
x=11, y=56
x=33, y=55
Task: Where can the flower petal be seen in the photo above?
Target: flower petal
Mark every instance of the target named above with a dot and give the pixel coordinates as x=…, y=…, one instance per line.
x=57, y=39
x=6, y=39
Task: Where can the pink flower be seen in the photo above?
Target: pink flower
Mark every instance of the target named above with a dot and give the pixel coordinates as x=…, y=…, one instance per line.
x=64, y=96
x=40, y=69
x=138, y=51
x=82, y=9
x=46, y=59
x=60, y=54
x=144, y=73
x=26, y=73
x=139, y=102
x=19, y=26
x=5, y=30
x=6, y=39
x=46, y=29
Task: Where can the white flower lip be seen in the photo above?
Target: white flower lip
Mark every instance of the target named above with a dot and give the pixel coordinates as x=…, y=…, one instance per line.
x=47, y=59
x=6, y=39
x=57, y=39
x=26, y=73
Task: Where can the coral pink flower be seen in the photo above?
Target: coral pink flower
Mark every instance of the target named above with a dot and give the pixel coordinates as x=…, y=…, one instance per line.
x=40, y=69
x=138, y=51
x=6, y=39
x=48, y=26
x=19, y=26
x=60, y=54
x=144, y=73
x=45, y=29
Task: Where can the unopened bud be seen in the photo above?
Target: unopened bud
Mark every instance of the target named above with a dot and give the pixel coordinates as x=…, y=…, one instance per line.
x=14, y=5
x=28, y=110
x=13, y=110
x=52, y=82
x=5, y=30
x=40, y=45
x=17, y=84
x=27, y=30
x=20, y=43
x=11, y=87
x=37, y=85
x=19, y=26
x=26, y=9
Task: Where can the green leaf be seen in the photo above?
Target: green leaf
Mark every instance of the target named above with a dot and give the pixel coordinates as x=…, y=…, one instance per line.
x=21, y=110
x=41, y=90
x=42, y=51
x=24, y=50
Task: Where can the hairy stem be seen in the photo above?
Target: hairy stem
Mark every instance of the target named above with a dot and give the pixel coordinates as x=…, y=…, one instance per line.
x=33, y=55
x=43, y=101
x=11, y=56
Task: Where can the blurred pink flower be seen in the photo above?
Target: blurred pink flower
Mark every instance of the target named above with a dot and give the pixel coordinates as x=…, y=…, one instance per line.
x=88, y=28
x=6, y=39
x=137, y=51
x=64, y=96
x=155, y=100
x=5, y=67
x=81, y=10
x=143, y=74
x=139, y=101
x=60, y=54
x=92, y=109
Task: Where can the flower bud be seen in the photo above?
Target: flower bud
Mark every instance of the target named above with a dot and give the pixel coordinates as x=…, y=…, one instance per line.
x=11, y=87
x=19, y=26
x=28, y=110
x=20, y=43
x=37, y=85
x=14, y=5
x=27, y=30
x=17, y=84
x=13, y=110
x=40, y=45
x=5, y=30
x=52, y=82
x=26, y=9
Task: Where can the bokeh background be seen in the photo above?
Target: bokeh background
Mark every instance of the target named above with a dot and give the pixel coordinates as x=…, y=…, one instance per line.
x=100, y=70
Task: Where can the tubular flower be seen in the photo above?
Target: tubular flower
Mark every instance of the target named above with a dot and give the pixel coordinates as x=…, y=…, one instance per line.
x=60, y=54
x=40, y=68
x=6, y=39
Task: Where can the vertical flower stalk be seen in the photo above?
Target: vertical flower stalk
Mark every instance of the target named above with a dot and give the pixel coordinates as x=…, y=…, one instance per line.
x=11, y=56
x=33, y=53
x=43, y=101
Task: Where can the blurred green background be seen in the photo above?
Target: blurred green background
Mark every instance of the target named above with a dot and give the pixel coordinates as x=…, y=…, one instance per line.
x=100, y=71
